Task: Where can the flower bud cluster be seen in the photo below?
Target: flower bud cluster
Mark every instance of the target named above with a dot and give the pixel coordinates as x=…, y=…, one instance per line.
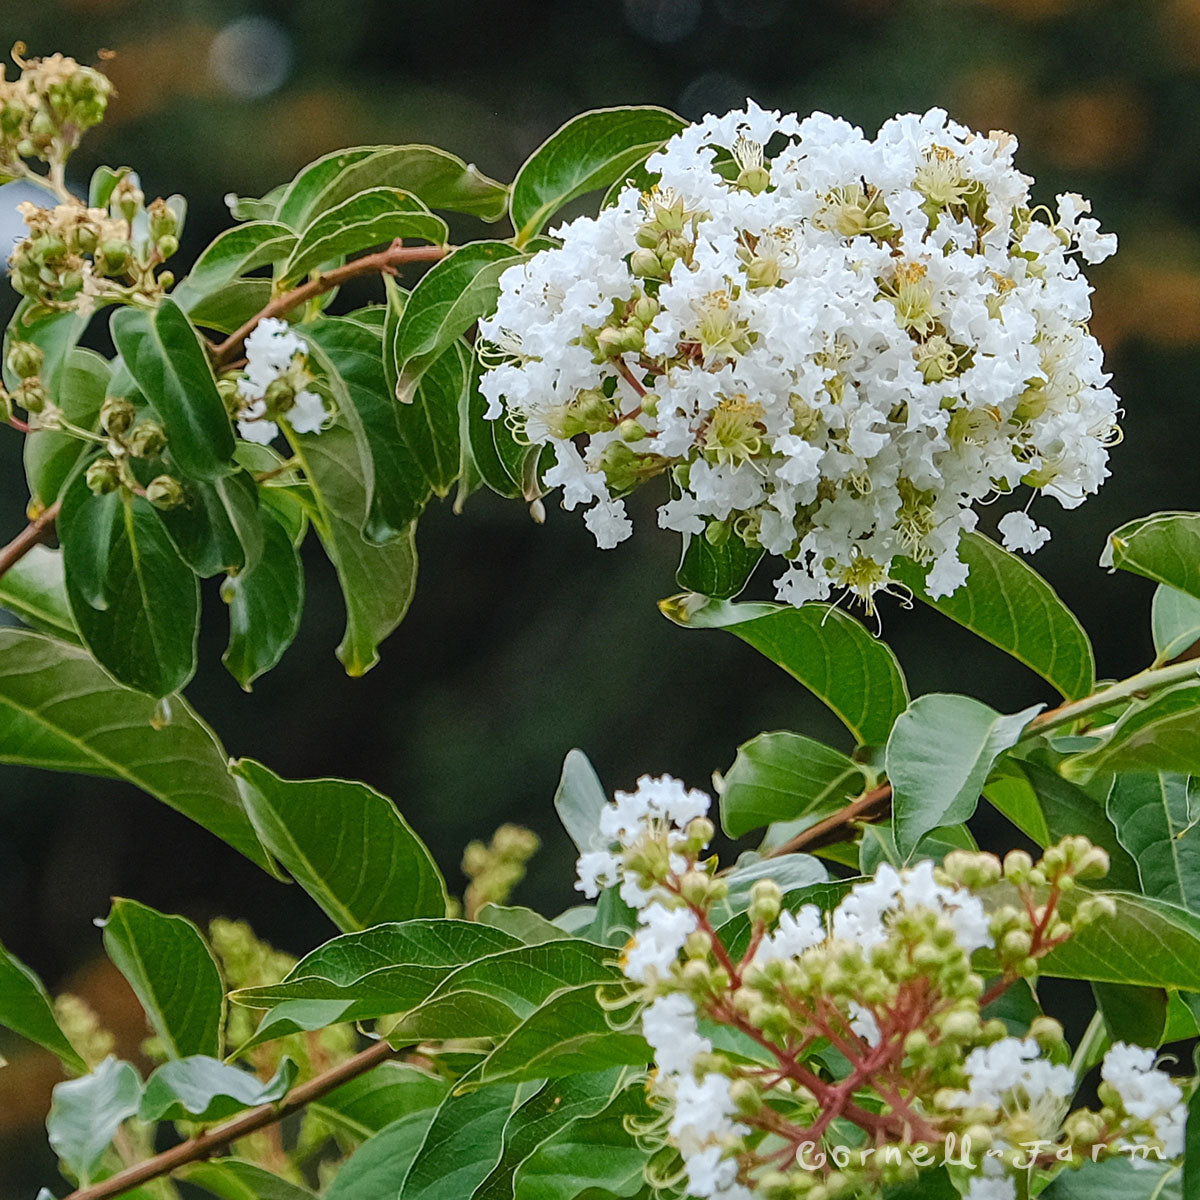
x=274, y=385
x=833, y=353
x=776, y=1032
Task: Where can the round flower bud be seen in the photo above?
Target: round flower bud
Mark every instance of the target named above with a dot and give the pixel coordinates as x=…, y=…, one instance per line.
x=31, y=395
x=645, y=264
x=630, y=431
x=148, y=440
x=230, y=395
x=113, y=256
x=755, y=179
x=1017, y=865
x=167, y=245
x=103, y=476
x=127, y=199
x=165, y=492
x=163, y=221
x=117, y=416
x=25, y=359
x=766, y=898
x=279, y=396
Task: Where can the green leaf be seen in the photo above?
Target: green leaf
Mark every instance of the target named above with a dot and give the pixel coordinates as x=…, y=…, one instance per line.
x=55, y=334
x=173, y=974
x=1046, y=808
x=265, y=605
x=1156, y=818
x=1133, y=1014
x=25, y=1008
x=490, y=453
x=62, y=713
x=375, y=1170
x=1191, y=1152
x=34, y=590
x=87, y=1112
x=879, y=846
x=387, y=969
x=346, y=845
x=1006, y=602
x=579, y=800
x=1164, y=547
x=447, y=300
x=783, y=777
x=237, y=1179
x=294, y=1016
x=720, y=572
x=939, y=755
x=374, y=216
x=1161, y=734
x=589, y=152
x=205, y=1089
x=1117, y=1178
x=390, y=1092
x=51, y=456
x=1175, y=623
x=523, y=923
x=164, y=355
x=855, y=674
x=252, y=208
x=218, y=528
x=790, y=871
x=135, y=602
x=232, y=306
x=377, y=581
x=232, y=254
x=439, y=179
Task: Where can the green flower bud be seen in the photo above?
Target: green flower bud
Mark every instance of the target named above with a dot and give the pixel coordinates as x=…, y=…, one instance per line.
x=279, y=396
x=31, y=395
x=630, y=431
x=163, y=221
x=127, y=199
x=167, y=245
x=645, y=264
x=645, y=310
x=1017, y=865
x=1016, y=943
x=766, y=899
x=165, y=492
x=148, y=440
x=646, y=237
x=113, y=256
x=25, y=359
x=231, y=397
x=86, y=239
x=754, y=179
x=103, y=476
x=650, y=404
x=694, y=886
x=117, y=416
x=610, y=342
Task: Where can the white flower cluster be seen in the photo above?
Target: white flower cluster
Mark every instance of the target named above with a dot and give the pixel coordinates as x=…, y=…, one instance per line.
x=1147, y=1094
x=274, y=381
x=833, y=352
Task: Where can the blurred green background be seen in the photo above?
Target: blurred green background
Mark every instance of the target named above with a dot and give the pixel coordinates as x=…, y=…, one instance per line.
x=525, y=641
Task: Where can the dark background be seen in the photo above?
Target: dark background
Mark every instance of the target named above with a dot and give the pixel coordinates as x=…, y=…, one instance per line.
x=524, y=641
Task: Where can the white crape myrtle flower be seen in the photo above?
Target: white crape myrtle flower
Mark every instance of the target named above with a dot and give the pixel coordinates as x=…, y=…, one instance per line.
x=861, y=916
x=992, y=1184
x=795, y=933
x=275, y=351
x=834, y=353
x=656, y=945
x=1011, y=1076
x=1147, y=1093
x=1021, y=533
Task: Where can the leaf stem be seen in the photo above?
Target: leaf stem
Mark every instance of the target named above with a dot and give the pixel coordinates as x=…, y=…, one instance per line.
x=207, y=1144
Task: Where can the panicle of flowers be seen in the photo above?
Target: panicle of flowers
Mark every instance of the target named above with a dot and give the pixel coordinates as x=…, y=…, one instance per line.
x=833, y=347
x=275, y=384
x=778, y=1030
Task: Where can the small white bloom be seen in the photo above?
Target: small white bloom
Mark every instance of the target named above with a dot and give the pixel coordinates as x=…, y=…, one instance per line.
x=1021, y=533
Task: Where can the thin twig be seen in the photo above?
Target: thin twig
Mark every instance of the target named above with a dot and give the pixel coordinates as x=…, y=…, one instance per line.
x=197, y=1149
x=38, y=530
x=384, y=262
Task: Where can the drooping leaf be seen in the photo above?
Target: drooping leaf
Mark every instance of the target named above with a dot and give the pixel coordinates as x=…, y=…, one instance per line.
x=373, y=216
x=589, y=152
x=579, y=799
x=447, y=300
x=219, y=526
x=377, y=581
x=25, y=1008
x=1164, y=547
x=233, y=253
x=1160, y=734
x=720, y=572
x=135, y=602
x=34, y=590
x=206, y=1089
x=346, y=845
x=782, y=777
x=59, y=711
x=1156, y=816
x=856, y=675
x=265, y=605
x=1175, y=623
x=87, y=1112
x=238, y=1179
x=294, y=1016
x=164, y=356
x=938, y=757
x=173, y=974
x=1006, y=602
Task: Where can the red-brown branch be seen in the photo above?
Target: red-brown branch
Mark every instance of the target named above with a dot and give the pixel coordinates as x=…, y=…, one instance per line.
x=40, y=529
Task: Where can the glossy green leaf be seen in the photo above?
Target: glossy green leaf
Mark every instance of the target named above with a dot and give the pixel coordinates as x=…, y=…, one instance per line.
x=1046, y=808
x=135, y=602
x=87, y=1112
x=490, y=453
x=589, y=152
x=35, y=591
x=879, y=846
x=1006, y=602
x=855, y=674
x=346, y=845
x=231, y=306
x=523, y=923
x=1160, y=734
x=717, y=571
x=447, y=300
x=206, y=1089
x=173, y=974
x=441, y=180
x=233, y=253
x=237, y=1179
x=938, y=757
x=1137, y=1015
x=1174, y=622
x=1164, y=547
x=1118, y=1178
x=784, y=777
x=1156, y=818
x=375, y=1170
x=265, y=605
x=373, y=216
x=294, y=1016
x=164, y=355
x=25, y=1008
x=59, y=711
x=390, y=1092
x=579, y=800
x=218, y=528
x=377, y=581
x=254, y=208
x=56, y=334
